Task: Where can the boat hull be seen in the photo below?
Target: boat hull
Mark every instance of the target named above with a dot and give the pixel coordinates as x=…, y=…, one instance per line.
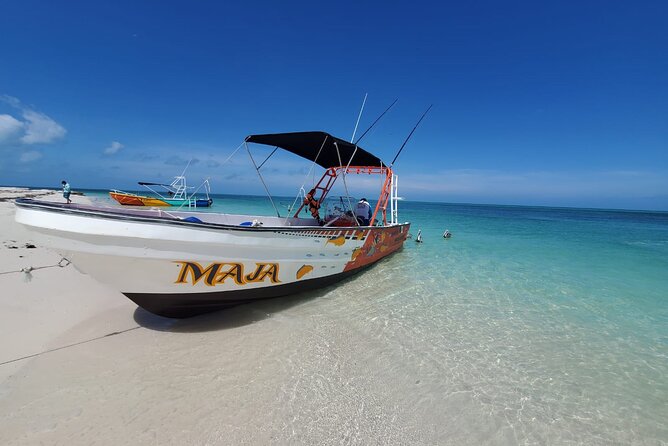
x=178, y=268
x=183, y=305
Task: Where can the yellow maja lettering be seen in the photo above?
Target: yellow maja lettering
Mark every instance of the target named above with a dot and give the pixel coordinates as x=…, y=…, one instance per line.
x=216, y=273
x=262, y=271
x=197, y=272
x=236, y=272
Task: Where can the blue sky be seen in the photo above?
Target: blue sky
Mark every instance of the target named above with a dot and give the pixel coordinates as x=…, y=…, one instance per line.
x=561, y=103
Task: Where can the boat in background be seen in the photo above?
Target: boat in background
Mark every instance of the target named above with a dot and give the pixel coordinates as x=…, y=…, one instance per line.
x=173, y=194
x=183, y=263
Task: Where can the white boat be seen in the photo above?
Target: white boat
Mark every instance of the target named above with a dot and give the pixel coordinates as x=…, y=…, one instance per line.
x=180, y=264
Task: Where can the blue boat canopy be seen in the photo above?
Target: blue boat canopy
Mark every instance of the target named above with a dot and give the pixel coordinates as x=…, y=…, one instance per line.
x=309, y=144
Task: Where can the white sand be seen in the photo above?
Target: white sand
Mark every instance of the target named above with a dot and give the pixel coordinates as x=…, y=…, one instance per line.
x=38, y=308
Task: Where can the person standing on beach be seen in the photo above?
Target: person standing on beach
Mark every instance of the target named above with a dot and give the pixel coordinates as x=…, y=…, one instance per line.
x=67, y=190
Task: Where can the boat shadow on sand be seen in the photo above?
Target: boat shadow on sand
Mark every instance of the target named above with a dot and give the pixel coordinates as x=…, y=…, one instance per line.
x=234, y=317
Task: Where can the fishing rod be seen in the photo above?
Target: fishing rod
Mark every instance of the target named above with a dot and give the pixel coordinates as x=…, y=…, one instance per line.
x=359, y=116
x=410, y=134
x=374, y=122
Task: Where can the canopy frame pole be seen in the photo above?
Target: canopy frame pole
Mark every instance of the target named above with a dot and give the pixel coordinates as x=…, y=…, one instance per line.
x=267, y=158
x=384, y=195
x=394, y=200
x=262, y=179
x=344, y=172
x=311, y=170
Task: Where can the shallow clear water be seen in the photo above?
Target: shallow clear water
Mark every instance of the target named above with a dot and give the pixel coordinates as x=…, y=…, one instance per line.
x=530, y=325
x=559, y=316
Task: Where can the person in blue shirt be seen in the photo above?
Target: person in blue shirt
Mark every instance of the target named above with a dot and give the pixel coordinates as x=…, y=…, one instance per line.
x=363, y=212
x=67, y=190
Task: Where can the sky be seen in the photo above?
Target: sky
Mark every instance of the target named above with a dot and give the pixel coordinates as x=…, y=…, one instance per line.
x=534, y=103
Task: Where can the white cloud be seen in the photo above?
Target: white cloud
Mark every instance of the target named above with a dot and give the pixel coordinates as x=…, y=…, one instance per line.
x=10, y=127
x=114, y=148
x=11, y=100
x=30, y=156
x=37, y=127
x=41, y=129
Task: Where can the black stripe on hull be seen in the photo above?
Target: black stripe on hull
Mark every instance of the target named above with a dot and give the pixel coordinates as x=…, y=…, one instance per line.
x=182, y=305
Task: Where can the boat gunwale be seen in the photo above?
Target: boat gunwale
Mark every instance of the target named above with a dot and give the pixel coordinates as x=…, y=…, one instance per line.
x=122, y=215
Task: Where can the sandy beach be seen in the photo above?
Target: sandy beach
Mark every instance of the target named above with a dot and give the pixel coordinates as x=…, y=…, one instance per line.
x=81, y=364
x=43, y=298
x=456, y=342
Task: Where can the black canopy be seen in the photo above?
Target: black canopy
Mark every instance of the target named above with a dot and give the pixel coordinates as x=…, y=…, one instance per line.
x=308, y=144
x=141, y=183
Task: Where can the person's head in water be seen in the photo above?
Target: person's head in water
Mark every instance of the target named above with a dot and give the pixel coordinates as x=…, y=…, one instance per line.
x=364, y=200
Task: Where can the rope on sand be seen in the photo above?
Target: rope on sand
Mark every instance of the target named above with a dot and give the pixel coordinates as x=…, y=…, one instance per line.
x=29, y=269
x=71, y=345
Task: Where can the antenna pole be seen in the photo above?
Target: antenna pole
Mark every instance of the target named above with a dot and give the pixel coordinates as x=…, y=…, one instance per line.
x=410, y=134
x=187, y=165
x=358, y=117
x=374, y=122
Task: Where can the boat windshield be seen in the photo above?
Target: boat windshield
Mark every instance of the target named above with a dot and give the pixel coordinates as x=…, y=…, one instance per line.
x=339, y=211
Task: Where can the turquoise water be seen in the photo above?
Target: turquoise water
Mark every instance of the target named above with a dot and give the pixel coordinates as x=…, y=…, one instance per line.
x=530, y=325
